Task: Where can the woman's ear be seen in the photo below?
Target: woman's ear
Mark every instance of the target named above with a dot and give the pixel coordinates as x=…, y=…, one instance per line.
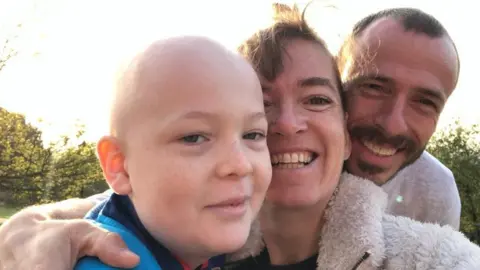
x=112, y=161
x=348, y=141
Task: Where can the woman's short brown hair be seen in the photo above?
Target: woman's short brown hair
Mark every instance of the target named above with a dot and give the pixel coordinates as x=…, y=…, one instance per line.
x=265, y=49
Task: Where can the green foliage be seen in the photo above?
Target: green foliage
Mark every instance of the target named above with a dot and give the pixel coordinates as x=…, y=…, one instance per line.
x=23, y=159
x=76, y=172
x=458, y=148
x=6, y=212
x=31, y=173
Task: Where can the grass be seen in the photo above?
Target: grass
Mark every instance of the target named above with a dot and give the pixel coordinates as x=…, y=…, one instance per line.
x=6, y=212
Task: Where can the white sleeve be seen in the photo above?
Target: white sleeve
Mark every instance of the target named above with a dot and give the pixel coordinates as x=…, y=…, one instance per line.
x=442, y=193
x=453, y=207
x=425, y=191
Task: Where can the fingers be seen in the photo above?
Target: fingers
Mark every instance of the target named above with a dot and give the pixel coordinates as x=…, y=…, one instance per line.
x=20, y=249
x=113, y=251
x=28, y=242
x=107, y=246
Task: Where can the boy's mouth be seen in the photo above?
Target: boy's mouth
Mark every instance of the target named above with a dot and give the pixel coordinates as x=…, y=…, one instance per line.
x=293, y=160
x=231, y=208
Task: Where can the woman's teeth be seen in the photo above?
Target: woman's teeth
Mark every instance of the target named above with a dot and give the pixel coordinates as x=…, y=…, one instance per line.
x=292, y=160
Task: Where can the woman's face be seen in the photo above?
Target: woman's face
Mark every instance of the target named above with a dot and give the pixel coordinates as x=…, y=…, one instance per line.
x=307, y=137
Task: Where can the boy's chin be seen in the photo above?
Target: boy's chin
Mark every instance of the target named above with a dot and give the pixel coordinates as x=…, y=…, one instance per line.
x=229, y=240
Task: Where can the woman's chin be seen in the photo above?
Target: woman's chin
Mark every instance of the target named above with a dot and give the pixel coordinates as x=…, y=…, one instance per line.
x=295, y=197
x=306, y=193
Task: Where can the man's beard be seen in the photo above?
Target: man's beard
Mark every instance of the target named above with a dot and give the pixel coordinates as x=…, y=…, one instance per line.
x=408, y=146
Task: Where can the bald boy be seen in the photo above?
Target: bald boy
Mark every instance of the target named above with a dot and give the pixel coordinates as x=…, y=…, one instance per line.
x=186, y=155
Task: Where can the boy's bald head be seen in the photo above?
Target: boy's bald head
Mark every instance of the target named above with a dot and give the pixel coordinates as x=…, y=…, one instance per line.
x=189, y=132
x=161, y=68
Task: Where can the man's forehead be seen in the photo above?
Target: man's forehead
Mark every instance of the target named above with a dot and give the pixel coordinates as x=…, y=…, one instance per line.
x=386, y=43
x=382, y=28
x=390, y=31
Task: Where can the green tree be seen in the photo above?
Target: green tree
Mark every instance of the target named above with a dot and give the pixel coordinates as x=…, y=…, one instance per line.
x=458, y=148
x=24, y=161
x=75, y=171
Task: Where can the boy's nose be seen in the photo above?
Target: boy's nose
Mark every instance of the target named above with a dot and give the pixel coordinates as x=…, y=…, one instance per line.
x=234, y=163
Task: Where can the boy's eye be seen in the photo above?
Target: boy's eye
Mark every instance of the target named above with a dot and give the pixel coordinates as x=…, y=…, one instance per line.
x=194, y=139
x=254, y=136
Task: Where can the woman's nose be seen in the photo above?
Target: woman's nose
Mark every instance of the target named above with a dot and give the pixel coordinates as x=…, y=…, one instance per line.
x=286, y=121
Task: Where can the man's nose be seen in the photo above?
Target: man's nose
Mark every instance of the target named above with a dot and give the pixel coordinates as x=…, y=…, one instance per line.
x=392, y=117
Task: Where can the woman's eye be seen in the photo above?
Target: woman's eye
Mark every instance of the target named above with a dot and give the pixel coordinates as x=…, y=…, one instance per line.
x=267, y=103
x=319, y=101
x=254, y=136
x=194, y=139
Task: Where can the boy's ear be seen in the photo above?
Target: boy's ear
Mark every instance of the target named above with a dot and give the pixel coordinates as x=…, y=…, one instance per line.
x=348, y=141
x=112, y=161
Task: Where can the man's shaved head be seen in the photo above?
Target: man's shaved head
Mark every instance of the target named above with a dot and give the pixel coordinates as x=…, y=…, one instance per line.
x=160, y=68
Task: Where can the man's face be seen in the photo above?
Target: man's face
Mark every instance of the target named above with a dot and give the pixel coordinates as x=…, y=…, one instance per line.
x=397, y=86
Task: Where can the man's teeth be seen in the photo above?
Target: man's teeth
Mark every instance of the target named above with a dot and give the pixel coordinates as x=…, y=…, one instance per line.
x=292, y=160
x=379, y=150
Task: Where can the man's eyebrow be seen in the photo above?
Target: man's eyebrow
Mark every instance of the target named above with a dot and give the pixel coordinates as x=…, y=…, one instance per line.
x=436, y=94
x=361, y=78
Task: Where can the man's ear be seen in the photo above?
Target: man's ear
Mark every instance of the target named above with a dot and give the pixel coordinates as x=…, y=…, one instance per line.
x=112, y=160
x=348, y=141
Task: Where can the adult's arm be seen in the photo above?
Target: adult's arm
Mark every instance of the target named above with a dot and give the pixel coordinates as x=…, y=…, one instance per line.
x=425, y=191
x=442, y=193
x=453, y=209
x=54, y=237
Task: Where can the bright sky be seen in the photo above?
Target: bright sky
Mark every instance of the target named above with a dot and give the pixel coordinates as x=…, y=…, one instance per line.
x=80, y=44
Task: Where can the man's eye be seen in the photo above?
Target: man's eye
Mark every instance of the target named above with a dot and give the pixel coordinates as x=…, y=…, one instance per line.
x=428, y=103
x=372, y=89
x=254, y=136
x=194, y=139
x=373, y=86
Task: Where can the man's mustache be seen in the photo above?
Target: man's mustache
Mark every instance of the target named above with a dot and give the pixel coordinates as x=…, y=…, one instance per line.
x=377, y=135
